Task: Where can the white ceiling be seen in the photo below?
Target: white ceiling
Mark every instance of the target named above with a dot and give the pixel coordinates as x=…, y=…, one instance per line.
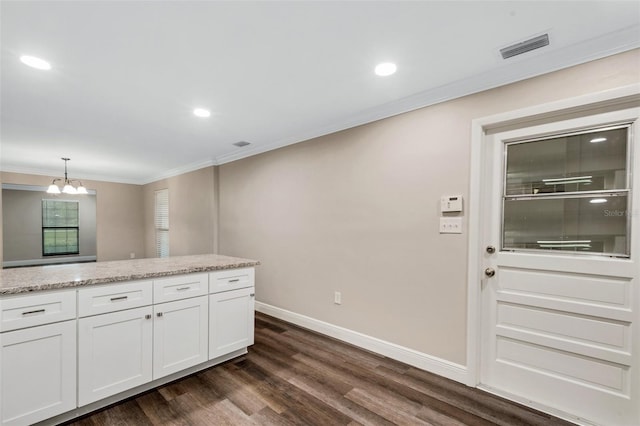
x=127, y=74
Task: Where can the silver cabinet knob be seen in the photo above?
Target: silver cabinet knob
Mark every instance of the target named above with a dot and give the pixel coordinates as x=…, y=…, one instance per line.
x=159, y=314
x=491, y=249
x=489, y=272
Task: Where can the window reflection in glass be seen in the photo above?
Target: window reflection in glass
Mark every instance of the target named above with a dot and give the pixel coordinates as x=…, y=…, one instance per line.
x=591, y=161
x=595, y=224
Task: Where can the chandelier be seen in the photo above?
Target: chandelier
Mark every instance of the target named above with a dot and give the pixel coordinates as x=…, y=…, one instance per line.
x=68, y=184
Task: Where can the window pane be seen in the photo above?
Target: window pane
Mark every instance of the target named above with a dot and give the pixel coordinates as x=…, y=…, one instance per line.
x=585, y=162
x=595, y=224
x=162, y=222
x=57, y=213
x=162, y=243
x=60, y=241
x=162, y=209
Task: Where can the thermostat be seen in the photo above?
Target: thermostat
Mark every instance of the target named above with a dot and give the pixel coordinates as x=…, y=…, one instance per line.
x=451, y=203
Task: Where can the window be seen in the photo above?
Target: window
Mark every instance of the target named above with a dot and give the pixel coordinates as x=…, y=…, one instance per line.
x=60, y=227
x=162, y=222
x=569, y=193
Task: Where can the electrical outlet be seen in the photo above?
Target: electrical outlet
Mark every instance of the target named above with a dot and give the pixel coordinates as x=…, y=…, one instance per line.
x=337, y=298
x=451, y=225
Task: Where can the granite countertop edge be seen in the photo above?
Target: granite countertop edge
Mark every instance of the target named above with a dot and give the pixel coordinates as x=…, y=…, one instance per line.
x=233, y=263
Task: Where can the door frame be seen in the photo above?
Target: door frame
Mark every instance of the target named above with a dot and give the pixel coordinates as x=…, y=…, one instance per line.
x=604, y=101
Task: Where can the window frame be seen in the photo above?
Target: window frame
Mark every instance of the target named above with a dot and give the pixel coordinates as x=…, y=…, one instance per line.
x=574, y=194
x=66, y=228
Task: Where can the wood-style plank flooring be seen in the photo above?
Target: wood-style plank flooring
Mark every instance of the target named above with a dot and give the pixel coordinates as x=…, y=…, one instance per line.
x=292, y=376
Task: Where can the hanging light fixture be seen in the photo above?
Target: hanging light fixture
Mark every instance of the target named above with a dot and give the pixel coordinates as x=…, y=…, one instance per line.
x=68, y=184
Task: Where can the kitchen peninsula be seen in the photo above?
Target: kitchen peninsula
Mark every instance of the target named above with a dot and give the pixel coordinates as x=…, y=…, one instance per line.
x=75, y=338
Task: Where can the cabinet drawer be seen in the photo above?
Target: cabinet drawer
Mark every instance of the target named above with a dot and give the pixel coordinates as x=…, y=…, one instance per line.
x=231, y=279
x=37, y=309
x=180, y=287
x=114, y=297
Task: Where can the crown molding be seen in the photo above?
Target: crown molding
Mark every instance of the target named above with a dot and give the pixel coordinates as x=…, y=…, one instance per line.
x=191, y=167
x=56, y=173
x=114, y=179
x=515, y=69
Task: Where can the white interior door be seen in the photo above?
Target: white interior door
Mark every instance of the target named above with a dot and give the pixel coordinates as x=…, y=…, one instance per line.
x=560, y=312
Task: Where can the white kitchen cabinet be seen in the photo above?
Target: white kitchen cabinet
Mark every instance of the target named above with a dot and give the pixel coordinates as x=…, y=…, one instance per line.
x=38, y=377
x=30, y=310
x=115, y=297
x=114, y=353
x=231, y=279
x=61, y=351
x=231, y=321
x=180, y=331
x=180, y=287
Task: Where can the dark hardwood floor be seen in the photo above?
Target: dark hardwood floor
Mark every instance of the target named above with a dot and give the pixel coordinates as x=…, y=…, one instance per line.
x=292, y=376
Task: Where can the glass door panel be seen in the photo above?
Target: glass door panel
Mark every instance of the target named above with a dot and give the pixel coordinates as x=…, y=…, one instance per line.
x=585, y=224
x=592, y=161
x=569, y=193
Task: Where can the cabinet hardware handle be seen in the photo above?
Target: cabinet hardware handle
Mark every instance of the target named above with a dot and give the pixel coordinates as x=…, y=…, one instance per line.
x=39, y=311
x=183, y=288
x=147, y=316
x=252, y=294
x=113, y=299
x=234, y=281
x=159, y=314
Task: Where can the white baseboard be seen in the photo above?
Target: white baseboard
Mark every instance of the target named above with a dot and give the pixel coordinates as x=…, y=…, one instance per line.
x=412, y=357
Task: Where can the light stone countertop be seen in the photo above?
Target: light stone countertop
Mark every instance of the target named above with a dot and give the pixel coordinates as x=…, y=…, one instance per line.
x=37, y=278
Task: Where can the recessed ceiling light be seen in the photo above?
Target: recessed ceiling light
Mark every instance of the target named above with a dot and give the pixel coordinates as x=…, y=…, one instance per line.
x=201, y=112
x=596, y=140
x=598, y=200
x=34, y=62
x=386, y=68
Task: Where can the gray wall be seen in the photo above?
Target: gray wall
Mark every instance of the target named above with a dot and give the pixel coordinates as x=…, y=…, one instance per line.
x=119, y=215
x=192, y=213
x=22, y=223
x=357, y=212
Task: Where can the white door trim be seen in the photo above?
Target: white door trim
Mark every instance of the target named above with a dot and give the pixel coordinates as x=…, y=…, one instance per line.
x=479, y=128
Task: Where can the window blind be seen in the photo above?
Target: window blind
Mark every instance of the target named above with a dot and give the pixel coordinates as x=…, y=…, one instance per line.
x=162, y=222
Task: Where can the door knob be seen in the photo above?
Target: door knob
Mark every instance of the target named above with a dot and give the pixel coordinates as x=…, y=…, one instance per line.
x=489, y=272
x=491, y=249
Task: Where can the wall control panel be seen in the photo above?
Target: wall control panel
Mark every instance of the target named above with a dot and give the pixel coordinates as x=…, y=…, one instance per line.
x=451, y=203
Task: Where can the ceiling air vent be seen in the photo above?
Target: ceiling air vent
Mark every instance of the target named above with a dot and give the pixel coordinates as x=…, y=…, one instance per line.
x=525, y=46
x=241, y=144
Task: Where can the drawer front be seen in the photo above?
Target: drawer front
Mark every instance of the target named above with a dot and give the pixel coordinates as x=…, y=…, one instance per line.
x=180, y=287
x=36, y=309
x=114, y=297
x=231, y=279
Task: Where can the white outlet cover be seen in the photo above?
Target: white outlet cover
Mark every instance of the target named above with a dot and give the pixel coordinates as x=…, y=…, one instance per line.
x=451, y=225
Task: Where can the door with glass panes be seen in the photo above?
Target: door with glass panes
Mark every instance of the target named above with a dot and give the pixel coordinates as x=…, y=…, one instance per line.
x=560, y=288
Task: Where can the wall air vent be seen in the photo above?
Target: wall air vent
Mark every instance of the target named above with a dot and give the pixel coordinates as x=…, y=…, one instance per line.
x=242, y=143
x=525, y=46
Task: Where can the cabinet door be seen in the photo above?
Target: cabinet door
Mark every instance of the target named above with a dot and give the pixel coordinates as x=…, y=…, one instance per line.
x=231, y=316
x=180, y=335
x=37, y=373
x=114, y=353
